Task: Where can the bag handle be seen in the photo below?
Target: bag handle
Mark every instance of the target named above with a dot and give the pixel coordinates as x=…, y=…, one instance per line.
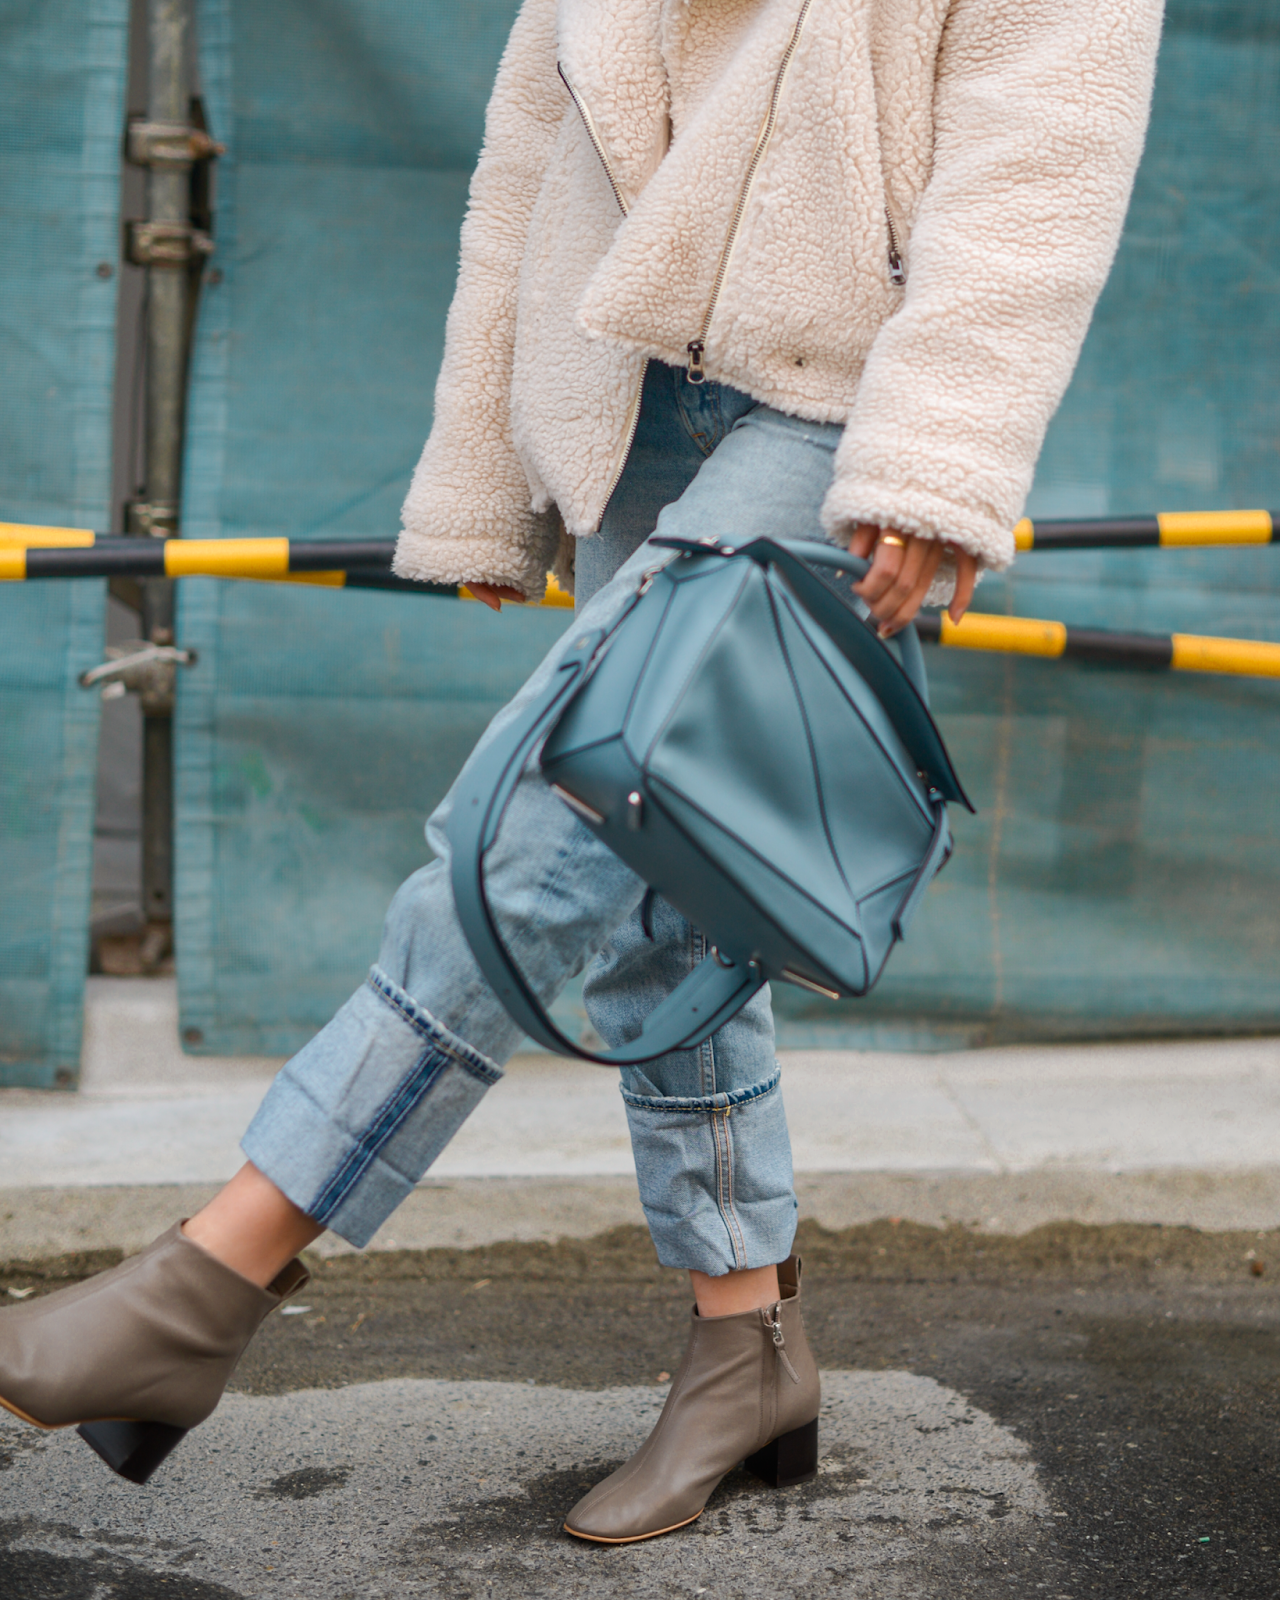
x=843, y=563
x=900, y=689
x=702, y=1002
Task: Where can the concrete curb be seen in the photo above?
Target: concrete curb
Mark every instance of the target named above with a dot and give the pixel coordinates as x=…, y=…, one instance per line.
x=38, y=1223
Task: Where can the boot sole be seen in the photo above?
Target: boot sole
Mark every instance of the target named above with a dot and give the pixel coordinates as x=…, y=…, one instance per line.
x=631, y=1538
x=22, y=1416
x=786, y=1461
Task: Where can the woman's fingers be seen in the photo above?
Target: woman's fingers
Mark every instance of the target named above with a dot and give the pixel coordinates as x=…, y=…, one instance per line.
x=886, y=562
x=915, y=578
x=863, y=541
x=493, y=594
x=902, y=569
x=966, y=578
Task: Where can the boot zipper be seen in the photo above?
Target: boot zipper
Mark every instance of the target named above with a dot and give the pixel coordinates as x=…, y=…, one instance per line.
x=597, y=144
x=897, y=272
x=697, y=347
x=773, y=1321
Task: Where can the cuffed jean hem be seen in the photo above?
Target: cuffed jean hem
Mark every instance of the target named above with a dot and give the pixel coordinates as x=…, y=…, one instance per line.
x=339, y=1155
x=748, y=1219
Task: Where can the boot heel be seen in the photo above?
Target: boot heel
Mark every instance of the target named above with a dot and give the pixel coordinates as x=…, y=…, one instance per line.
x=133, y=1449
x=790, y=1459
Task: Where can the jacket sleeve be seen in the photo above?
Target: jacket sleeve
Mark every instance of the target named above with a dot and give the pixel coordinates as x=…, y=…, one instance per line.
x=1040, y=112
x=468, y=516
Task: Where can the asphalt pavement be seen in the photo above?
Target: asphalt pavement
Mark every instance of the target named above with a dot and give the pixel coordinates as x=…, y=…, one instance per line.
x=1043, y=1287
x=1080, y=1411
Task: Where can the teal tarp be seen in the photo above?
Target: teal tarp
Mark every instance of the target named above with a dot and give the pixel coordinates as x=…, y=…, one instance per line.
x=1119, y=876
x=1123, y=875
x=62, y=73
x=319, y=728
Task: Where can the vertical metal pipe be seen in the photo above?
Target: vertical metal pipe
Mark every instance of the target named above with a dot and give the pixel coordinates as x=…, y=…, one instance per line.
x=169, y=192
x=157, y=832
x=169, y=287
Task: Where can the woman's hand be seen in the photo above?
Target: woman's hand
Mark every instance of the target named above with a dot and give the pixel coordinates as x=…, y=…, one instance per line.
x=902, y=568
x=493, y=594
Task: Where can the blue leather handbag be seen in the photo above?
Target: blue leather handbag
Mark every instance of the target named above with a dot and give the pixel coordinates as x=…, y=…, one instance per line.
x=747, y=744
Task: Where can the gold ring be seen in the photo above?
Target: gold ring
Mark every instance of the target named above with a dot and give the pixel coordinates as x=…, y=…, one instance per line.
x=892, y=539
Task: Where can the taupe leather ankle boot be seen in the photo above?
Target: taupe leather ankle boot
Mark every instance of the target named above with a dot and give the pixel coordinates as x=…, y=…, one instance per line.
x=747, y=1389
x=137, y=1355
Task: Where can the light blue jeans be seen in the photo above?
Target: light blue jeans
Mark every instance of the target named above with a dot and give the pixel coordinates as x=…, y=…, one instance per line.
x=360, y=1113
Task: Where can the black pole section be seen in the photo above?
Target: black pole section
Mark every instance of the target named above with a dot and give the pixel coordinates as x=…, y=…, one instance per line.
x=928, y=625
x=108, y=558
x=1119, y=649
x=370, y=578
x=332, y=555
x=1116, y=533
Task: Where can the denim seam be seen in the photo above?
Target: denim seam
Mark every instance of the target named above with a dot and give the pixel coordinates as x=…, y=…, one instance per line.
x=724, y=1183
x=435, y=1033
x=378, y=1134
x=705, y=443
x=726, y=1100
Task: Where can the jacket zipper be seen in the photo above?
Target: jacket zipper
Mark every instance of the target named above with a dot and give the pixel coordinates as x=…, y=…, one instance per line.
x=597, y=144
x=697, y=347
x=633, y=422
x=897, y=272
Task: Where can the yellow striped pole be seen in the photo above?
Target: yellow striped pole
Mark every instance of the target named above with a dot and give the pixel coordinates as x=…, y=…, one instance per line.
x=22, y=533
x=29, y=553
x=1162, y=530
x=1030, y=636
x=1167, y=530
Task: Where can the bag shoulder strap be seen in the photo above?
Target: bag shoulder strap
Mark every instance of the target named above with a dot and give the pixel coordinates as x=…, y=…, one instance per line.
x=700, y=1004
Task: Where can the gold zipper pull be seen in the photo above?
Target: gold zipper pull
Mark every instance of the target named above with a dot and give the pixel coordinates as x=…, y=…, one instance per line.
x=697, y=372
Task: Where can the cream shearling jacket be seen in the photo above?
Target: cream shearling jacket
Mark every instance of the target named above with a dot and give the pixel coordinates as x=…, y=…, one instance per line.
x=891, y=214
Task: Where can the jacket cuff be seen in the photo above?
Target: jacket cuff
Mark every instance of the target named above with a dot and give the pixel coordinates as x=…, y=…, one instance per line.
x=918, y=512
x=516, y=550
x=927, y=516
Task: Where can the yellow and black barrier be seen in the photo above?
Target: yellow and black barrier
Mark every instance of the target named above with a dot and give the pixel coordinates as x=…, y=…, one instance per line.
x=77, y=553
x=323, y=561
x=1170, y=530
x=27, y=553
x=1028, y=636
x=30, y=553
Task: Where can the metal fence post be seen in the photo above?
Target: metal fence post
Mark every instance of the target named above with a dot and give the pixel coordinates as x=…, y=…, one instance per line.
x=172, y=248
